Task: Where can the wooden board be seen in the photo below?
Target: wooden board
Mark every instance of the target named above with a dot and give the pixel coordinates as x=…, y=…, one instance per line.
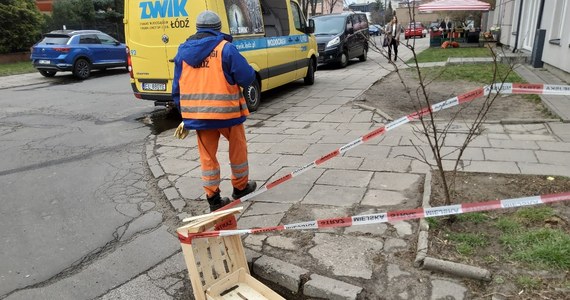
x=240, y=286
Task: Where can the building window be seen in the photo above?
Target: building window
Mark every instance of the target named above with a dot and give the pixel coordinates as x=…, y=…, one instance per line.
x=558, y=19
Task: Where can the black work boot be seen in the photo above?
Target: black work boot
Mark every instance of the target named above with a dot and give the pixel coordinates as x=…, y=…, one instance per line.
x=216, y=201
x=250, y=187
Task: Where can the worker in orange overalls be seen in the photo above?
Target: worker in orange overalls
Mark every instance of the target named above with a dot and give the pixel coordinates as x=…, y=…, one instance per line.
x=208, y=74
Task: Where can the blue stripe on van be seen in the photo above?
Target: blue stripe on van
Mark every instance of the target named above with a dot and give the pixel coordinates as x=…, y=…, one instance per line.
x=271, y=42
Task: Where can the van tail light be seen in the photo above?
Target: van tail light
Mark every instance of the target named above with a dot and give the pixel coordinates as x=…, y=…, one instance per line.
x=129, y=63
x=62, y=50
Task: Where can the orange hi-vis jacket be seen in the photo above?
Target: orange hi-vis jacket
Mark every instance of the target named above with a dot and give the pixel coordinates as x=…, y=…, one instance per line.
x=205, y=93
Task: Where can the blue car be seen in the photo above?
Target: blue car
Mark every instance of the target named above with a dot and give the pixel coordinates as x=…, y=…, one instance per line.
x=375, y=29
x=78, y=51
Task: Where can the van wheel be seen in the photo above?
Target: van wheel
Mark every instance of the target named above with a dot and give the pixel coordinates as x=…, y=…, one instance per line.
x=47, y=73
x=343, y=60
x=310, y=78
x=252, y=95
x=82, y=69
x=364, y=55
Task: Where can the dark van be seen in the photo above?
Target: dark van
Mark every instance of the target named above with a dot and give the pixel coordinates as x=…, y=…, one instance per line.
x=341, y=37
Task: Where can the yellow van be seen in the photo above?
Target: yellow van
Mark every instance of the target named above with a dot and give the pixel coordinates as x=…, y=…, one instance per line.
x=273, y=35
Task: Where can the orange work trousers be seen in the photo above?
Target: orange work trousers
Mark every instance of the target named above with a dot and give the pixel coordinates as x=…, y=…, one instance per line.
x=208, y=147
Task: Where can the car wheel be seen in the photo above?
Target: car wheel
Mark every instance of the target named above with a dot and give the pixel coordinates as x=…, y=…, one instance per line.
x=364, y=55
x=47, y=73
x=310, y=77
x=343, y=60
x=252, y=95
x=82, y=69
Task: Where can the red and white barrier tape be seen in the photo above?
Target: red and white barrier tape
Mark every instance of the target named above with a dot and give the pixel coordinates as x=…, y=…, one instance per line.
x=529, y=88
x=506, y=88
x=392, y=216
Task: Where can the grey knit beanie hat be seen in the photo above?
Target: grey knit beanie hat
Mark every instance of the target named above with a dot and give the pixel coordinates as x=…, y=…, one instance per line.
x=208, y=20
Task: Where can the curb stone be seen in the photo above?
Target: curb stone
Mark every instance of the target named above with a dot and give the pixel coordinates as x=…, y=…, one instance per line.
x=458, y=269
x=293, y=279
x=423, y=234
x=428, y=263
x=326, y=288
x=279, y=272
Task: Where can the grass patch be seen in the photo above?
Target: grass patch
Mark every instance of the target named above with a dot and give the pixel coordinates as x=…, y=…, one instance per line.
x=529, y=215
x=465, y=243
x=433, y=222
x=475, y=217
x=544, y=247
x=435, y=54
x=508, y=225
x=16, y=68
x=481, y=73
x=522, y=237
x=527, y=282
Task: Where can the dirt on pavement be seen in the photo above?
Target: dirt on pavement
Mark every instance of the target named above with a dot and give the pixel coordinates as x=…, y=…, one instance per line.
x=390, y=96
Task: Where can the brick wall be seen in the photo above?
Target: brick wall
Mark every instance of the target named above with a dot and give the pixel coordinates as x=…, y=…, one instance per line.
x=14, y=57
x=45, y=6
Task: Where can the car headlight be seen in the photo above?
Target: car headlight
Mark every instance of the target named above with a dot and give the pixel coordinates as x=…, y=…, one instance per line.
x=333, y=42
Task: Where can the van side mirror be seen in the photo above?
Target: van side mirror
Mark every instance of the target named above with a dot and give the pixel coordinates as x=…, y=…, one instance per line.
x=350, y=30
x=311, y=28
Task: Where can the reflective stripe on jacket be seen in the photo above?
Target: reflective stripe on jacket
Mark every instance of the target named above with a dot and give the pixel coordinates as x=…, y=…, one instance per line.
x=205, y=92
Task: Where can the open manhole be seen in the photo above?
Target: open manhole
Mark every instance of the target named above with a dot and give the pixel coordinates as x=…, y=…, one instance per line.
x=162, y=120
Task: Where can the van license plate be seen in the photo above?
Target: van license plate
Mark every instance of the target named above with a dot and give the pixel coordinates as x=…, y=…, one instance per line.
x=148, y=86
x=43, y=62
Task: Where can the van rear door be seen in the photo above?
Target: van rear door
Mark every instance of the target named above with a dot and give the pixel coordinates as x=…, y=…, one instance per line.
x=154, y=29
x=181, y=28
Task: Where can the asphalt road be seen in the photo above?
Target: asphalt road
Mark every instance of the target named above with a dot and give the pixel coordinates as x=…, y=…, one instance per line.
x=72, y=174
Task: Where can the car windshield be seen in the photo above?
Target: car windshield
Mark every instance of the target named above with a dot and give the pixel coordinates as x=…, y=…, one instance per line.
x=54, y=40
x=329, y=25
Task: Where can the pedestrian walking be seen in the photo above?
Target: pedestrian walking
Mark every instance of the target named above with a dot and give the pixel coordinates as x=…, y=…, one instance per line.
x=393, y=31
x=208, y=74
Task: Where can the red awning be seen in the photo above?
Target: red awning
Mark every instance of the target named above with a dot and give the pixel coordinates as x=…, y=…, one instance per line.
x=450, y=5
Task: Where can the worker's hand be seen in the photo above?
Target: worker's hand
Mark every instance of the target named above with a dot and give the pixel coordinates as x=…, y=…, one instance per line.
x=180, y=132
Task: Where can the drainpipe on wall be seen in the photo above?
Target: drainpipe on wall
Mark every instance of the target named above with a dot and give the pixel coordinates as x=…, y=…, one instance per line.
x=540, y=13
x=518, y=27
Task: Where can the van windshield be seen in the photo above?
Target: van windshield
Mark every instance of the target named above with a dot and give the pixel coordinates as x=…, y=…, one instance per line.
x=329, y=25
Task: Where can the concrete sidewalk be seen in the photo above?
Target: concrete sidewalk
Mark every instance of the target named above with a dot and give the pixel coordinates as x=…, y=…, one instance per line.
x=299, y=124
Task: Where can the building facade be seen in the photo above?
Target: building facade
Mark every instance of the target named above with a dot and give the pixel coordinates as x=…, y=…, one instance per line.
x=517, y=23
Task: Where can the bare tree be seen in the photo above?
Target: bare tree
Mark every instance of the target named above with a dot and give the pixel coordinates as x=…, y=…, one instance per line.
x=313, y=4
x=305, y=6
x=331, y=4
x=309, y=6
x=433, y=132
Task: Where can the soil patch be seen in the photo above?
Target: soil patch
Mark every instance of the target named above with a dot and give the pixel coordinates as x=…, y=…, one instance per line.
x=484, y=234
x=513, y=277
x=390, y=96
